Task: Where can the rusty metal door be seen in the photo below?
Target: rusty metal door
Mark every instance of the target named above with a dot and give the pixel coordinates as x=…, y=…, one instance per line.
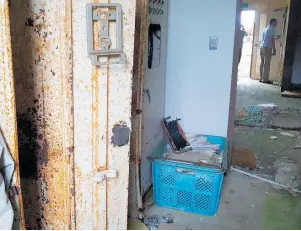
x=102, y=101
x=66, y=110
x=8, y=120
x=42, y=63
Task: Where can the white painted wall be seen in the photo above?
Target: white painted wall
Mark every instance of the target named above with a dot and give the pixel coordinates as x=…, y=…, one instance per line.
x=198, y=81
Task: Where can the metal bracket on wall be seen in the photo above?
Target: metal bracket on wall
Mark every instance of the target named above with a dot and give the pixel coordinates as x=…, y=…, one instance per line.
x=103, y=14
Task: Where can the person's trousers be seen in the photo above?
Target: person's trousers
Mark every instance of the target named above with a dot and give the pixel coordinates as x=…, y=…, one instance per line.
x=265, y=66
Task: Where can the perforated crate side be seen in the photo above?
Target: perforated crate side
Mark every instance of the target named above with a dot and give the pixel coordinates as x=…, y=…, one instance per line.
x=185, y=187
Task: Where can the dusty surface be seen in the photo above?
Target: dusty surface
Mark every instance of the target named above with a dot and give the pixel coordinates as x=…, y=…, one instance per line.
x=269, y=145
x=287, y=122
x=242, y=157
x=292, y=94
x=245, y=204
x=251, y=92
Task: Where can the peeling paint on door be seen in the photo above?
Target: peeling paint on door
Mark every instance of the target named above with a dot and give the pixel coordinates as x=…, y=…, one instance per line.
x=102, y=98
x=66, y=111
x=42, y=56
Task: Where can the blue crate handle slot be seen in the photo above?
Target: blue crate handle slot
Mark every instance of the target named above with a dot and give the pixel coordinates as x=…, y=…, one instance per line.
x=185, y=171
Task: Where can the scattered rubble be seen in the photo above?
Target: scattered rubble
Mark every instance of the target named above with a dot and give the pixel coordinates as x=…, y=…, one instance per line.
x=274, y=137
x=287, y=173
x=242, y=157
x=287, y=134
x=154, y=221
x=269, y=116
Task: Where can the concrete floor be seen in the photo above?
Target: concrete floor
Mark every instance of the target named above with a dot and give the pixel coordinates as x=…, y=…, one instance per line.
x=257, y=140
x=247, y=203
x=251, y=92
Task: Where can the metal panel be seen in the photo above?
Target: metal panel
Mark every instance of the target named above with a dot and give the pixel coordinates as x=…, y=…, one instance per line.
x=153, y=111
x=41, y=43
x=8, y=120
x=102, y=99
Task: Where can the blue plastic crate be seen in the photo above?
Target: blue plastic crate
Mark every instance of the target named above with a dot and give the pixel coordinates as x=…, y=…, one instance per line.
x=187, y=187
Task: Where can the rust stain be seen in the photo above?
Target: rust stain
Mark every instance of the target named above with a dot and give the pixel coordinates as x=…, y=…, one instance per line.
x=29, y=22
x=41, y=53
x=95, y=138
x=71, y=149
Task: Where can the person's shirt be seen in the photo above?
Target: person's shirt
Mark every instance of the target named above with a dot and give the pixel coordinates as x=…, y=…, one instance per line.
x=268, y=33
x=242, y=35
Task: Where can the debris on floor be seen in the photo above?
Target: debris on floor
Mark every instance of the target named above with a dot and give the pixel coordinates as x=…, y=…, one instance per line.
x=242, y=157
x=154, y=221
x=254, y=116
x=134, y=224
x=288, y=173
x=274, y=137
x=291, y=94
x=297, y=147
x=270, y=105
x=287, y=134
x=269, y=116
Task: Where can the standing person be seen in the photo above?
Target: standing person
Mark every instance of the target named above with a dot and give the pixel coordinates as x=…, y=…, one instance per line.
x=242, y=34
x=267, y=50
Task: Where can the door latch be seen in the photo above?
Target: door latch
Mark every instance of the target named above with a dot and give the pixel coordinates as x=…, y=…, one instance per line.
x=147, y=91
x=104, y=14
x=101, y=176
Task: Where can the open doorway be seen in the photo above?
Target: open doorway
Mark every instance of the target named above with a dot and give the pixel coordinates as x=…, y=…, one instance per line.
x=247, y=25
x=267, y=126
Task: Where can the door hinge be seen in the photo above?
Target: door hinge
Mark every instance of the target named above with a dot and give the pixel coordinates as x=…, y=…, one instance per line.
x=101, y=176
